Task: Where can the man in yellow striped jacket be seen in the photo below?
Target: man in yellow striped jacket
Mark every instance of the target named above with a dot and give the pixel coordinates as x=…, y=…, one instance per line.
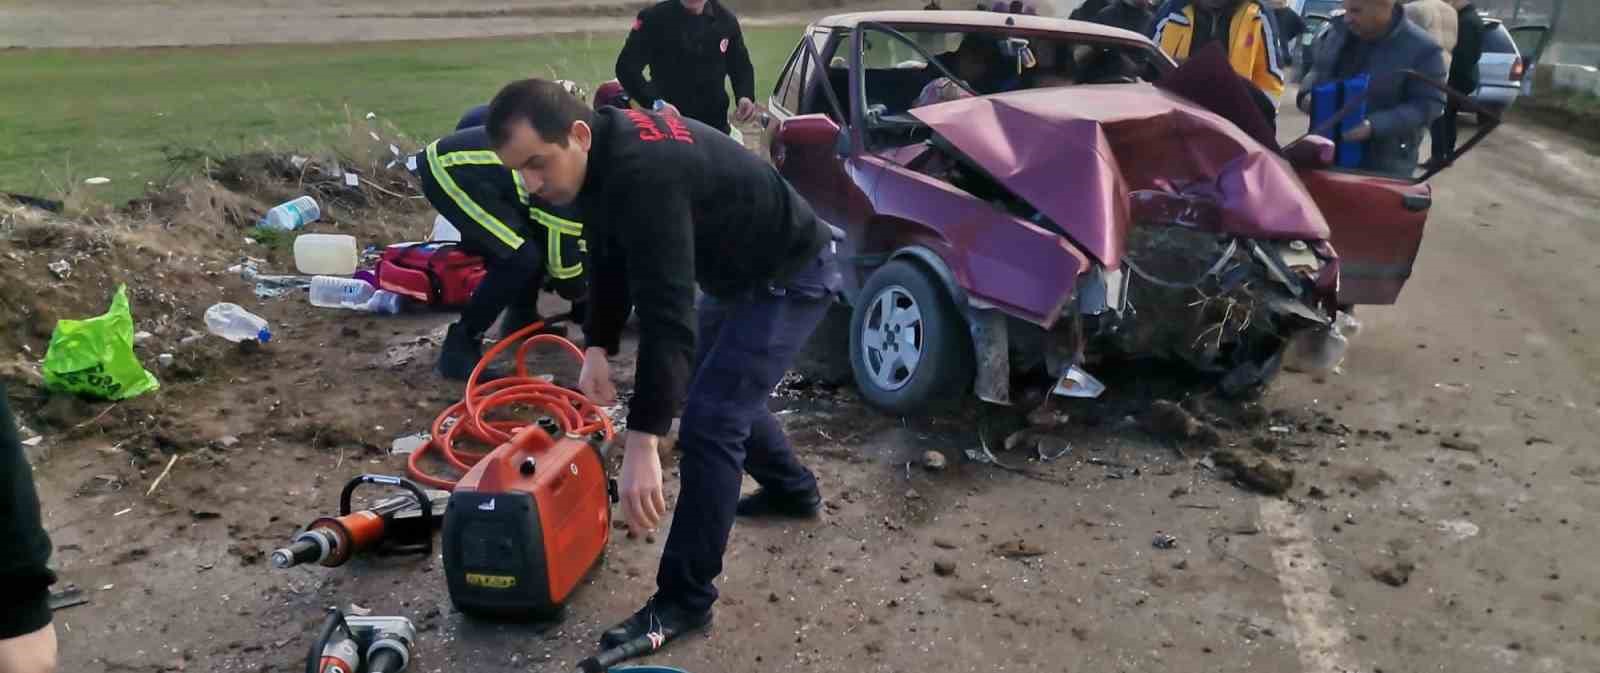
x=1245, y=28
x=527, y=243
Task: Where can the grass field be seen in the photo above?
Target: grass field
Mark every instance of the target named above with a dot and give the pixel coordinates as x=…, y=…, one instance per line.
x=117, y=113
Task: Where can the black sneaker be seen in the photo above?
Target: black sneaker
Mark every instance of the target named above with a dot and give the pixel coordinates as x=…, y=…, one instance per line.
x=661, y=623
x=764, y=503
x=460, y=355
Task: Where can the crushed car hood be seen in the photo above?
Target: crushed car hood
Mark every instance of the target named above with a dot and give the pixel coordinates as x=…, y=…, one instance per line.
x=1076, y=154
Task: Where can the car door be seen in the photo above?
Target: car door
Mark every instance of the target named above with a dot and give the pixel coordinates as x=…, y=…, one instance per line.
x=1531, y=41
x=1377, y=221
x=812, y=143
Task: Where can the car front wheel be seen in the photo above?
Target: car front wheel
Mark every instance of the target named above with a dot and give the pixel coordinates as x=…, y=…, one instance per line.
x=908, y=344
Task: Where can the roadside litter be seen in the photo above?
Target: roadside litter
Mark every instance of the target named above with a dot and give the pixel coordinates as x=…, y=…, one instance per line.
x=291, y=215
x=325, y=254
x=94, y=357
x=232, y=322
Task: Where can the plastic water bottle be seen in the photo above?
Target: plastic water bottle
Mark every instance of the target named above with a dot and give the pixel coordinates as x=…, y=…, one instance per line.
x=325, y=254
x=292, y=215
x=235, y=324
x=337, y=292
x=384, y=302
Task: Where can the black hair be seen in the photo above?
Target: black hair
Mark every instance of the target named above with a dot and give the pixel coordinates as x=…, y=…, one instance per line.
x=543, y=104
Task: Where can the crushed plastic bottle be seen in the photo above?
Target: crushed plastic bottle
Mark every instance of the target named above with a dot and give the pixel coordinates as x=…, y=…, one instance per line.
x=232, y=322
x=1320, y=351
x=384, y=302
x=337, y=292
x=292, y=215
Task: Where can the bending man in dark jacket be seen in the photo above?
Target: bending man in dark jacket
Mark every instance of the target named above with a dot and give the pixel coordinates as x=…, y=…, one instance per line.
x=27, y=638
x=667, y=201
x=691, y=48
x=1134, y=15
x=1463, y=77
x=1373, y=37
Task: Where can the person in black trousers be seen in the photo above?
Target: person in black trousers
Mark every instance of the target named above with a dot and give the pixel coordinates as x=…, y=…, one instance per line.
x=1463, y=78
x=27, y=636
x=691, y=47
x=669, y=203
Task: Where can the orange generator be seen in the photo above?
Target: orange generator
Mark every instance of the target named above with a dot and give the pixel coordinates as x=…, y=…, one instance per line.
x=527, y=523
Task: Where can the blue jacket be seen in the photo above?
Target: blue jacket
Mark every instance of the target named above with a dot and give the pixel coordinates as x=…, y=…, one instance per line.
x=1398, y=108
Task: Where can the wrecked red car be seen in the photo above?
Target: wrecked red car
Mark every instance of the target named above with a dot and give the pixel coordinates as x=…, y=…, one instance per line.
x=1023, y=202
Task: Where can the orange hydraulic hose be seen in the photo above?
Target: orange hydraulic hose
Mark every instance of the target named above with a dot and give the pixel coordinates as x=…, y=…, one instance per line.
x=571, y=410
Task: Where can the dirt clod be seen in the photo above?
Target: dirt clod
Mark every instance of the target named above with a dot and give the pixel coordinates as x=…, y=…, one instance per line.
x=1395, y=573
x=1457, y=442
x=944, y=568
x=1262, y=474
x=944, y=543
x=1017, y=549
x=1168, y=420
x=1366, y=477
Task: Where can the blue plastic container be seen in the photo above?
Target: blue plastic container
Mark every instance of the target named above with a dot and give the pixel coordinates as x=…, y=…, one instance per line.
x=1326, y=101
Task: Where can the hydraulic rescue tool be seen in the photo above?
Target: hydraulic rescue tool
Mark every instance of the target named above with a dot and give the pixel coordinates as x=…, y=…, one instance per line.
x=401, y=524
x=369, y=644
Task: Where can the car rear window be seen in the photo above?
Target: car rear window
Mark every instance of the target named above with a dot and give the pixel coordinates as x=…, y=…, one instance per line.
x=1497, y=40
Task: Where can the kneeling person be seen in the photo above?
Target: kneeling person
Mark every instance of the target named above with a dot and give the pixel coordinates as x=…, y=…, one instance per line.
x=527, y=243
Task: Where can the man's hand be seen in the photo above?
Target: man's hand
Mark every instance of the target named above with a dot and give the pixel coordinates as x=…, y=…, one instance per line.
x=746, y=111
x=1359, y=134
x=643, y=502
x=594, y=379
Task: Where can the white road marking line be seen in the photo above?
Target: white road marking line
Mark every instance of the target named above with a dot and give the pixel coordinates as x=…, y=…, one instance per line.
x=1318, y=634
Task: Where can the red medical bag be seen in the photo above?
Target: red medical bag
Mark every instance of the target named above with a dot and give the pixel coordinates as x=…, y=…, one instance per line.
x=437, y=274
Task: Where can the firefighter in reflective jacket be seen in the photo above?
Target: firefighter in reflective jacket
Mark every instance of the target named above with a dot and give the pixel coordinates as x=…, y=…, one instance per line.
x=527, y=243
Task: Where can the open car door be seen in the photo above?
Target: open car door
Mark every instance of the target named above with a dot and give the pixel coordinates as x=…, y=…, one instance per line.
x=1531, y=41
x=1376, y=220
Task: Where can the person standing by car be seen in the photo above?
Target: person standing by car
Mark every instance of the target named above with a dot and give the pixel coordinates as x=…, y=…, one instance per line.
x=1374, y=38
x=1463, y=78
x=667, y=205
x=1134, y=15
x=27, y=636
x=691, y=47
x=1089, y=9
x=1245, y=29
x=1438, y=19
x=1290, y=28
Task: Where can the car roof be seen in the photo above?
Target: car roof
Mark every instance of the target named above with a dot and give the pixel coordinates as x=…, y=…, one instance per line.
x=977, y=19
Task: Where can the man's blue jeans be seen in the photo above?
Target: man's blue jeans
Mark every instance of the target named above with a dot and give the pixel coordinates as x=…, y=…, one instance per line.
x=745, y=344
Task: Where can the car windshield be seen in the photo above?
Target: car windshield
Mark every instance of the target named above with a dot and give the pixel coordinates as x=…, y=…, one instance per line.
x=1497, y=40
x=898, y=76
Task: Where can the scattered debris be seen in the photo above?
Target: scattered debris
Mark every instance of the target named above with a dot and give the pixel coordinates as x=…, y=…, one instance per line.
x=97, y=181
x=1263, y=474
x=1051, y=448
x=934, y=461
x=1016, y=549
x=912, y=494
x=163, y=475
x=1316, y=493
x=165, y=359
x=66, y=597
x=1046, y=417
x=1457, y=442
x=1168, y=420
x=1164, y=541
x=943, y=543
x=61, y=268
x=409, y=444
x=202, y=515
x=944, y=568
x=123, y=511
x=227, y=441
x=33, y=441
x=1280, y=430
x=1395, y=574
x=1366, y=477
x=359, y=611
x=1459, y=529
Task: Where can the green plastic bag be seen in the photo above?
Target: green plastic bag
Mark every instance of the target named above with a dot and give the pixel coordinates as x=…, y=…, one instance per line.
x=94, y=357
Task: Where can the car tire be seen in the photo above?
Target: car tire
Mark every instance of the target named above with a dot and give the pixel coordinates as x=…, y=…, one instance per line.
x=903, y=311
